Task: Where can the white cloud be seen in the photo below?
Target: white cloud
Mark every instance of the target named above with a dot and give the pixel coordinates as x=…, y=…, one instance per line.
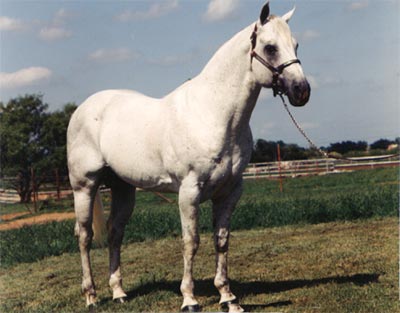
x=24, y=77
x=155, y=10
x=309, y=125
x=61, y=16
x=55, y=30
x=220, y=9
x=173, y=60
x=53, y=33
x=318, y=81
x=359, y=5
x=266, y=128
x=307, y=35
x=11, y=24
x=113, y=55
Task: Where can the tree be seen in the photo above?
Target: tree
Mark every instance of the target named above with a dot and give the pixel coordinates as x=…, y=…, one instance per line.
x=54, y=138
x=381, y=144
x=266, y=151
x=31, y=138
x=347, y=146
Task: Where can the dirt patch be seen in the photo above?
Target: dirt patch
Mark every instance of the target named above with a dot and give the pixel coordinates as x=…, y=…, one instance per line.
x=9, y=223
x=11, y=216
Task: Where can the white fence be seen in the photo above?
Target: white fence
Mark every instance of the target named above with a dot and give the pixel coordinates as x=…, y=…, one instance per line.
x=317, y=166
x=260, y=170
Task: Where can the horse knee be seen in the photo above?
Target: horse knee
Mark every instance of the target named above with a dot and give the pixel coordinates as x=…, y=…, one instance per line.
x=84, y=232
x=191, y=244
x=221, y=239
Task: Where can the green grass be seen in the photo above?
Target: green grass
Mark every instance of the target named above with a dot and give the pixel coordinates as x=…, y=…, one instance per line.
x=308, y=200
x=330, y=267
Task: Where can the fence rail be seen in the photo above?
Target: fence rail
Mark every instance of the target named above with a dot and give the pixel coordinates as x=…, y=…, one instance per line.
x=58, y=187
x=317, y=166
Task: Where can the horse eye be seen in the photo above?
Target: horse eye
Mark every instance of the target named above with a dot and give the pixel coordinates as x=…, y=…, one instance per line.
x=271, y=49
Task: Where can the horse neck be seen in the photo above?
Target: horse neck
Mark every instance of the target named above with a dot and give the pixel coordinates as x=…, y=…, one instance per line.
x=227, y=88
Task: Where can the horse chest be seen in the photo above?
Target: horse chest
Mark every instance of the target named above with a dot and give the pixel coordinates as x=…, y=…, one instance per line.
x=221, y=176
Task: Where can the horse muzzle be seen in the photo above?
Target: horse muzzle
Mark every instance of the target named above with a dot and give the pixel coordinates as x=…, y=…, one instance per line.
x=299, y=93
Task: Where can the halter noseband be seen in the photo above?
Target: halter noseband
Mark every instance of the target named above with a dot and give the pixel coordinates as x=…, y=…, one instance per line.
x=276, y=71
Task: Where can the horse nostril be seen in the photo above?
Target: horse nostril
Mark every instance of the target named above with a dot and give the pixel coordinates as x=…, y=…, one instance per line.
x=301, y=91
x=297, y=90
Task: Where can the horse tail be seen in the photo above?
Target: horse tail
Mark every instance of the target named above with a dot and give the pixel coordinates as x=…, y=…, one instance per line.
x=99, y=221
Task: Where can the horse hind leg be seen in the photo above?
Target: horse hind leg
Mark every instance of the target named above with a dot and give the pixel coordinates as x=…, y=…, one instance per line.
x=122, y=203
x=84, y=199
x=85, y=171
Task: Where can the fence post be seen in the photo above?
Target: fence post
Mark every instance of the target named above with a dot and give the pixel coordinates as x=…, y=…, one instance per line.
x=33, y=180
x=57, y=183
x=279, y=167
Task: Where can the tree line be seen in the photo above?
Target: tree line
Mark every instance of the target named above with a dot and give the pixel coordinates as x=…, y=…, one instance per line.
x=32, y=137
x=267, y=151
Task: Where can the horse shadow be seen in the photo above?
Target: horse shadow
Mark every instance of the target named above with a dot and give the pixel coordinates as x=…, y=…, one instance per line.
x=242, y=289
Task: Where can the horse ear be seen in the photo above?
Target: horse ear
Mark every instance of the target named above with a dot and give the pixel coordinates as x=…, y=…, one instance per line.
x=288, y=15
x=264, y=13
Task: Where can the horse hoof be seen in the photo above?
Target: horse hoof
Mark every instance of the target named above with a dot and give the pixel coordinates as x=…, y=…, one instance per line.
x=191, y=308
x=232, y=306
x=120, y=300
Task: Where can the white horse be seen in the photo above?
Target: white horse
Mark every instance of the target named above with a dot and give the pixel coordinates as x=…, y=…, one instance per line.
x=196, y=141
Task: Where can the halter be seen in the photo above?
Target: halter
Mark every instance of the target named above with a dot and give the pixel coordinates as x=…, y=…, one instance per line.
x=276, y=71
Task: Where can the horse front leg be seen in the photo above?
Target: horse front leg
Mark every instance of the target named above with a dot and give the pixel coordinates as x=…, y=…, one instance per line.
x=222, y=211
x=189, y=207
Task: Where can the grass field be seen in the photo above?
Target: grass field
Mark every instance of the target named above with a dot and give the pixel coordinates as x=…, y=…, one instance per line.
x=331, y=267
x=326, y=244
x=307, y=200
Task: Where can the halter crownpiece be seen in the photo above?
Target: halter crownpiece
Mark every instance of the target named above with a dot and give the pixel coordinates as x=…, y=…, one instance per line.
x=276, y=71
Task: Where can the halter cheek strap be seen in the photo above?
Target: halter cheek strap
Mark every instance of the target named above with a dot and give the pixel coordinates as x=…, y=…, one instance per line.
x=276, y=71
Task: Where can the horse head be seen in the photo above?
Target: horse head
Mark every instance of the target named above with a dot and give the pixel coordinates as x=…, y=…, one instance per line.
x=276, y=50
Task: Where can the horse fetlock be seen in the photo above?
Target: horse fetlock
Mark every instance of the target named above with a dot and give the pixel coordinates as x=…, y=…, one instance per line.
x=221, y=283
x=232, y=306
x=116, y=286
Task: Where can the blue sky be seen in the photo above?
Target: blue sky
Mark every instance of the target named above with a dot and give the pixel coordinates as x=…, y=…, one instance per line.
x=350, y=51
